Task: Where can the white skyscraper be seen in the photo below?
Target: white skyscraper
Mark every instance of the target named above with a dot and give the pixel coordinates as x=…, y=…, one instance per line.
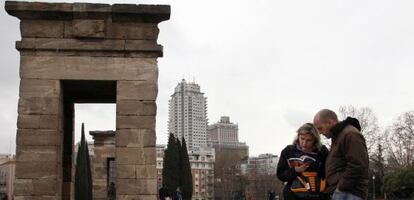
x=188, y=115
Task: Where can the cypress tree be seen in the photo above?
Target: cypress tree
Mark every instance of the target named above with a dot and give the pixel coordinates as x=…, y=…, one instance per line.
x=83, y=175
x=180, y=166
x=186, y=179
x=170, y=172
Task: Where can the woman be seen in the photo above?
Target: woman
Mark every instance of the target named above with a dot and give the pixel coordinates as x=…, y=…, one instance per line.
x=302, y=166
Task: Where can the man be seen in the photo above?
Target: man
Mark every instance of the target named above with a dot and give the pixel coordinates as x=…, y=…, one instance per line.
x=163, y=192
x=347, y=163
x=178, y=194
x=112, y=191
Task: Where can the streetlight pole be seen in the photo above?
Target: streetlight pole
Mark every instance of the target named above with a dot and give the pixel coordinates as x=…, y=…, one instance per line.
x=373, y=186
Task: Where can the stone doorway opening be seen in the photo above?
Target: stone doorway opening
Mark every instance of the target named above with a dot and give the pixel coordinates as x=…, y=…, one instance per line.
x=75, y=92
x=99, y=120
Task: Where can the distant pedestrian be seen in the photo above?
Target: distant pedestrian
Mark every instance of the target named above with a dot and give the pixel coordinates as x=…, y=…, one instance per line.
x=347, y=162
x=163, y=192
x=271, y=195
x=112, y=191
x=178, y=194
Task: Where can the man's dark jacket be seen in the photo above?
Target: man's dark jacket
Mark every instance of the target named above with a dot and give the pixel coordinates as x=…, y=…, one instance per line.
x=347, y=162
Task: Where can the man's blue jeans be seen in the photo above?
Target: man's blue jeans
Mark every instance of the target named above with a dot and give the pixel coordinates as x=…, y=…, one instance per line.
x=344, y=196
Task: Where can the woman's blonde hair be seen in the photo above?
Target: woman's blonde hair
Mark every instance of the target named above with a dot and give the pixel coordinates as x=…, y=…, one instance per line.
x=310, y=129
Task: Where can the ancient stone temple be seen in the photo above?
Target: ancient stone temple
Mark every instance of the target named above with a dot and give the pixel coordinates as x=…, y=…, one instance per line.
x=86, y=53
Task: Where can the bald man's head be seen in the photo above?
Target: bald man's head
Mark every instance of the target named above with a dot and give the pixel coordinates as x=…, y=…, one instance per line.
x=326, y=114
x=324, y=121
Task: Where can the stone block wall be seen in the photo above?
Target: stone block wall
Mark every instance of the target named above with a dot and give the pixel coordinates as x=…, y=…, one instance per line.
x=86, y=42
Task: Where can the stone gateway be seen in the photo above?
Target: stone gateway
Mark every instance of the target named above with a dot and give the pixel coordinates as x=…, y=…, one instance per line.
x=86, y=53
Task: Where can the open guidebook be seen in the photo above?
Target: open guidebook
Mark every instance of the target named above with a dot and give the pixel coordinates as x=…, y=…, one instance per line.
x=303, y=160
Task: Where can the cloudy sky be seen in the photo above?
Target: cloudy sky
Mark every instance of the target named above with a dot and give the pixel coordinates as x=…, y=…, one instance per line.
x=268, y=64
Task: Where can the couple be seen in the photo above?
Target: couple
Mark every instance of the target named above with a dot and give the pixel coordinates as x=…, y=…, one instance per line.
x=313, y=172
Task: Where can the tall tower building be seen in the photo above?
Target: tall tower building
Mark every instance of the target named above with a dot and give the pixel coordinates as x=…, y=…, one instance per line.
x=188, y=115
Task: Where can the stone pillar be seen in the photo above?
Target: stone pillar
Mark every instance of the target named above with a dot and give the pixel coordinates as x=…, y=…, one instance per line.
x=71, y=53
x=104, y=150
x=135, y=139
x=39, y=135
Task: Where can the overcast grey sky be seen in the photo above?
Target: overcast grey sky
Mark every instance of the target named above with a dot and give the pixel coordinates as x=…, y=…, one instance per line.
x=268, y=64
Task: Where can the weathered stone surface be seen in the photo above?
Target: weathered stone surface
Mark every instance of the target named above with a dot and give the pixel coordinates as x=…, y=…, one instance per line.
x=59, y=45
x=135, y=138
x=49, y=122
x=136, y=197
x=130, y=156
x=40, y=197
x=42, y=11
x=42, y=28
x=137, y=186
x=35, y=187
x=91, y=7
x=88, y=28
x=104, y=152
x=91, y=68
x=135, y=122
x=48, y=44
x=37, y=121
x=142, y=45
x=137, y=171
x=99, y=188
x=145, y=31
x=37, y=137
x=99, y=172
x=39, y=88
x=38, y=105
x=28, y=121
x=136, y=107
x=25, y=170
x=146, y=171
x=137, y=90
x=37, y=153
x=140, y=13
x=119, y=12
x=150, y=155
x=126, y=171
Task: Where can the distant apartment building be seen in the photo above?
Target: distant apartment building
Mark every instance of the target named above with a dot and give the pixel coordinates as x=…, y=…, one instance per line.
x=202, y=170
x=7, y=176
x=160, y=157
x=263, y=164
x=187, y=115
x=223, y=136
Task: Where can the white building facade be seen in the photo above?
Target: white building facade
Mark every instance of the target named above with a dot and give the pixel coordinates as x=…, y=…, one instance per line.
x=263, y=164
x=188, y=115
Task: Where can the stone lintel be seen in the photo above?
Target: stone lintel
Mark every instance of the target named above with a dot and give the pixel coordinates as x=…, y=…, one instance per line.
x=56, y=45
x=94, y=68
x=67, y=11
